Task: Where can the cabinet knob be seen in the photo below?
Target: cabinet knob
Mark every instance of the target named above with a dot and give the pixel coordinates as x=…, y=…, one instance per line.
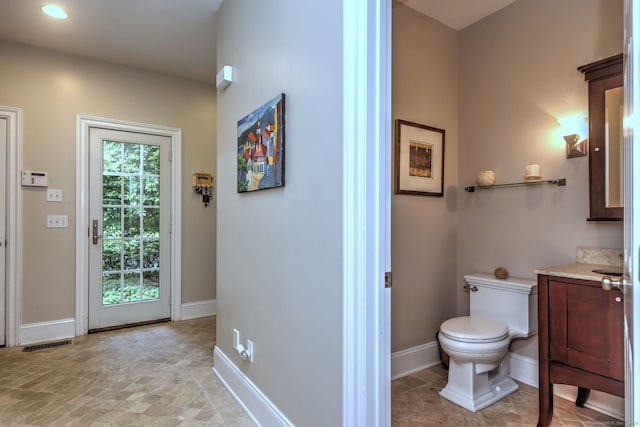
x=618, y=299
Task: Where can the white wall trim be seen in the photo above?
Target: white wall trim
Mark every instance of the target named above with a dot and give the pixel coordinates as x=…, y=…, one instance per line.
x=414, y=359
x=48, y=331
x=366, y=375
x=523, y=369
x=83, y=123
x=195, y=310
x=604, y=403
x=257, y=406
x=13, y=273
x=406, y=362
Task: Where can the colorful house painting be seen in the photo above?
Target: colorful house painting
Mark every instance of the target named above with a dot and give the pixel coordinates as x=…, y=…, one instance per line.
x=261, y=147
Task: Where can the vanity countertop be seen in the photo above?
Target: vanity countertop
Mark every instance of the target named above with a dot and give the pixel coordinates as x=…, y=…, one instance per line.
x=575, y=271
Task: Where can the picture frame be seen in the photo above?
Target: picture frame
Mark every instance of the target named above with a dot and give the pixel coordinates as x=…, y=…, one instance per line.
x=261, y=147
x=419, y=159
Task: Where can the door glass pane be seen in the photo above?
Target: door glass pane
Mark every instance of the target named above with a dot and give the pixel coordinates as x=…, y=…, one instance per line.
x=131, y=287
x=111, y=289
x=112, y=225
x=151, y=285
x=151, y=159
x=112, y=189
x=131, y=234
x=132, y=222
x=112, y=156
x=131, y=191
x=151, y=251
x=152, y=222
x=111, y=256
x=151, y=191
x=131, y=157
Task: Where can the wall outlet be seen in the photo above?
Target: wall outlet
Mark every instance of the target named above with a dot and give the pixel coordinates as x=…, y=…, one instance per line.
x=250, y=350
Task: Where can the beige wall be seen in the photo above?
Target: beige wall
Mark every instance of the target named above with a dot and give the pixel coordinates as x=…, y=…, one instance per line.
x=280, y=250
x=51, y=89
x=424, y=229
x=517, y=77
x=501, y=83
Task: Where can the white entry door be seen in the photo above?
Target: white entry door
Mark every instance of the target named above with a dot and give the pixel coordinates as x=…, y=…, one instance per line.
x=129, y=227
x=3, y=181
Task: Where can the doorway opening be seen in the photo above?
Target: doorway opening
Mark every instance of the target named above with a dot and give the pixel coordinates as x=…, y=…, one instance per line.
x=10, y=238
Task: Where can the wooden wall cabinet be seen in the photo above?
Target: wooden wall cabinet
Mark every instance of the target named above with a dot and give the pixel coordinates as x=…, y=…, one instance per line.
x=581, y=339
x=605, y=158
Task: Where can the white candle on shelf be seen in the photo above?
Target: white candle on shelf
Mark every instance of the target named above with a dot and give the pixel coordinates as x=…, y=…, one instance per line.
x=532, y=171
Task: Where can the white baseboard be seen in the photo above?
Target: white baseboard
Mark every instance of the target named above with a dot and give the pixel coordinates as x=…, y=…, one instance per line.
x=598, y=401
x=195, y=310
x=32, y=333
x=525, y=369
x=406, y=362
x=521, y=368
x=253, y=401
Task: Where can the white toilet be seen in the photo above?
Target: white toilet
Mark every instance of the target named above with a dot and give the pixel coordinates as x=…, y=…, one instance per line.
x=478, y=345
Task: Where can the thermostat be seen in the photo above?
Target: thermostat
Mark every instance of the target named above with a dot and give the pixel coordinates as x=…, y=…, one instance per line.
x=34, y=179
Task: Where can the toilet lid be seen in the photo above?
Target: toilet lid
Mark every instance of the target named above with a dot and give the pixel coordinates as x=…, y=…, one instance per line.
x=476, y=329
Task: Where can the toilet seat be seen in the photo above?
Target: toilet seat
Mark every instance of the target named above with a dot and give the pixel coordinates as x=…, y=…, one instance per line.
x=474, y=329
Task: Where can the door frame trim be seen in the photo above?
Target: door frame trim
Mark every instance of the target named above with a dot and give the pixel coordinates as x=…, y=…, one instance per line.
x=13, y=276
x=366, y=211
x=83, y=124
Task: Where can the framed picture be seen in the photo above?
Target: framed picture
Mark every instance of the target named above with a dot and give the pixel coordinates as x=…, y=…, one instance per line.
x=419, y=167
x=261, y=147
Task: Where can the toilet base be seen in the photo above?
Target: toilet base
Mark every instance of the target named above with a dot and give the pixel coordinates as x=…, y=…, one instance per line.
x=477, y=391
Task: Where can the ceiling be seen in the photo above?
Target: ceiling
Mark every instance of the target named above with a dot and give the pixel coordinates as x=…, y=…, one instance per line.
x=457, y=14
x=174, y=37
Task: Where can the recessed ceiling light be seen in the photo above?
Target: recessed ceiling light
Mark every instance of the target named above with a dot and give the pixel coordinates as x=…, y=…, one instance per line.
x=55, y=11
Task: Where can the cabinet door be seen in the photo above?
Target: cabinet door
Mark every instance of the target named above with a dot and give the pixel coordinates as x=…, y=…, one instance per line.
x=586, y=328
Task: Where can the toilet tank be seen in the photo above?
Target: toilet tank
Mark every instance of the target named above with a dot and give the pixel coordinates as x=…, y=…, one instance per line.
x=511, y=301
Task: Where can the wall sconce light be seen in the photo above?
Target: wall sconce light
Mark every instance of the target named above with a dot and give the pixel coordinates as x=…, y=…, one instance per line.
x=574, y=128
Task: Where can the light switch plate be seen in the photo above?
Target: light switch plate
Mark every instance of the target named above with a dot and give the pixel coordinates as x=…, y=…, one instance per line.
x=57, y=221
x=54, y=195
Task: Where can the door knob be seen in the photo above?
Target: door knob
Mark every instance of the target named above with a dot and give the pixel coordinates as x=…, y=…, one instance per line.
x=609, y=283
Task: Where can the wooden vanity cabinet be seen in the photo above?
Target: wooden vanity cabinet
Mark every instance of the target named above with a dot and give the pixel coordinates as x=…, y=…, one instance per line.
x=581, y=343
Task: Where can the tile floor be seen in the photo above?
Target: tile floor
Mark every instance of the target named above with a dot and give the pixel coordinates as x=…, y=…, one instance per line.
x=416, y=402
x=161, y=375
x=151, y=375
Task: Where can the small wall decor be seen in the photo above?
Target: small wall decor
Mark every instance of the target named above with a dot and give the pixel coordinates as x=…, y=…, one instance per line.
x=486, y=178
x=419, y=159
x=203, y=185
x=261, y=147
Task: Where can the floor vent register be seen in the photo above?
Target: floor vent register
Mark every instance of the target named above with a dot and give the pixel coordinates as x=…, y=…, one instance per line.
x=30, y=348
